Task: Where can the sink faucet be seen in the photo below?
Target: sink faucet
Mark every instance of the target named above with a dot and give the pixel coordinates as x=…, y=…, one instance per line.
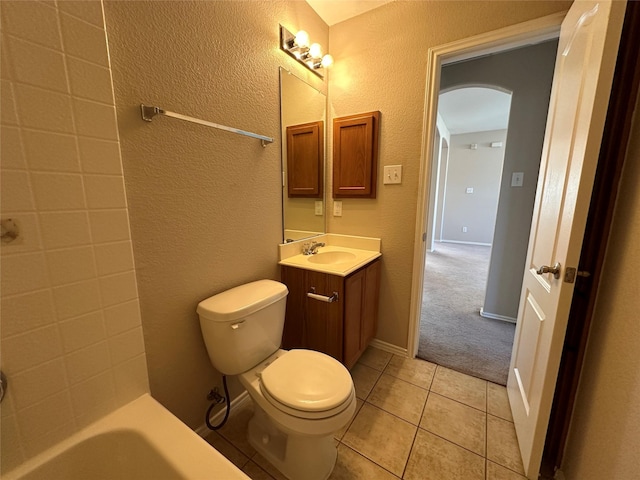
x=311, y=248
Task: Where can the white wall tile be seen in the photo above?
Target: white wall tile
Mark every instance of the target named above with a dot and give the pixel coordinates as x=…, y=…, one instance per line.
x=96, y=390
x=118, y=288
x=8, y=113
x=28, y=350
x=71, y=265
x=11, y=152
x=51, y=151
x=89, y=10
x=5, y=66
x=43, y=109
x=65, y=229
x=100, y=156
x=82, y=331
x=122, y=317
x=87, y=362
x=37, y=420
x=95, y=119
x=105, y=191
x=28, y=239
x=126, y=346
x=109, y=226
x=47, y=439
x=32, y=22
x=38, y=66
x=22, y=313
x=84, y=40
x=23, y=273
x=90, y=81
x=114, y=258
x=10, y=445
x=131, y=378
x=16, y=191
x=36, y=384
x=58, y=191
x=77, y=299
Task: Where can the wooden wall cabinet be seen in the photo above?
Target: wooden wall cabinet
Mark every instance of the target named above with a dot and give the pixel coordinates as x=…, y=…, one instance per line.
x=305, y=160
x=342, y=329
x=355, y=155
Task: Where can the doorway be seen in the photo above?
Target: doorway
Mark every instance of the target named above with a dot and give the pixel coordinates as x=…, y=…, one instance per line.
x=490, y=186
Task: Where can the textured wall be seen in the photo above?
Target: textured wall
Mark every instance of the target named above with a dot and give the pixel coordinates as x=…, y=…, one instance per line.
x=528, y=73
x=481, y=170
x=205, y=204
x=72, y=344
x=605, y=431
x=380, y=64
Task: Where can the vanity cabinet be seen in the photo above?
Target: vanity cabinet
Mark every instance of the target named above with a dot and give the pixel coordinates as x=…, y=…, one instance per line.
x=355, y=155
x=343, y=328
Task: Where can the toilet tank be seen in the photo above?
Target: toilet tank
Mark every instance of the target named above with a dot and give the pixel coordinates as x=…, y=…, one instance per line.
x=243, y=326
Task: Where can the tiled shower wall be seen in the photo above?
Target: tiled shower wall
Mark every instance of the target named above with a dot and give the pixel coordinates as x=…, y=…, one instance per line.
x=72, y=345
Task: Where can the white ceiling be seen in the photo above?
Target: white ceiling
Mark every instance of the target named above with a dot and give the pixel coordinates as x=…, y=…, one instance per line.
x=474, y=109
x=336, y=11
x=463, y=110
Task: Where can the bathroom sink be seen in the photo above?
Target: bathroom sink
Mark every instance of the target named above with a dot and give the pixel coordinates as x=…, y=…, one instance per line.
x=328, y=258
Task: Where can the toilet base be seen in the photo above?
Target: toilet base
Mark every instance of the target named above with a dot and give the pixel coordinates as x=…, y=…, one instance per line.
x=297, y=457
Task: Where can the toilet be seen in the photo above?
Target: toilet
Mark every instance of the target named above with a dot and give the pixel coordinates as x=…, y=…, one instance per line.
x=301, y=397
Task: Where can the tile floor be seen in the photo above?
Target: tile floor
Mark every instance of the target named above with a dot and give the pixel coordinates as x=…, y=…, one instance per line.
x=414, y=420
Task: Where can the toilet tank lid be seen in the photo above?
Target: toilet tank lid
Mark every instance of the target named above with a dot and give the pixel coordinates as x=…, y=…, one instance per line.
x=242, y=300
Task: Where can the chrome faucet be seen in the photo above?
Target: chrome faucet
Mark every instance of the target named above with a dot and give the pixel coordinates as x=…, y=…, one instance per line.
x=311, y=248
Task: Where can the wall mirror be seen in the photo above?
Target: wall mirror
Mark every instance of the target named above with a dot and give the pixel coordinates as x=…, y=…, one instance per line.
x=303, y=133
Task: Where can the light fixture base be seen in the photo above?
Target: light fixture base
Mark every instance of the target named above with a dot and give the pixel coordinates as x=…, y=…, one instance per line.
x=287, y=45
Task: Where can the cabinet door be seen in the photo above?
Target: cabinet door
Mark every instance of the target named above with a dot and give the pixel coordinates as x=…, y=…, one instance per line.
x=292, y=336
x=354, y=288
x=305, y=160
x=355, y=155
x=323, y=322
x=370, y=304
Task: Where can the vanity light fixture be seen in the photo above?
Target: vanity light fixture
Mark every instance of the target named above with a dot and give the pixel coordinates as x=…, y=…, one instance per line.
x=309, y=55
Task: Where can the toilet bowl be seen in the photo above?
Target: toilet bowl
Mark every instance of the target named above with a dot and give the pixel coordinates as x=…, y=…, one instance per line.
x=301, y=397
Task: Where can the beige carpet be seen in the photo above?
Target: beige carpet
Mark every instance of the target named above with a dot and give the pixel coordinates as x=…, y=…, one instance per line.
x=452, y=332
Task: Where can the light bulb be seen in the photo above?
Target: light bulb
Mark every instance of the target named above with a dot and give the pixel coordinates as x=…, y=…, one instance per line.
x=315, y=50
x=302, y=39
x=327, y=61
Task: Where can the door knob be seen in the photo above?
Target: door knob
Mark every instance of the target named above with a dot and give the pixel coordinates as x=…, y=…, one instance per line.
x=546, y=269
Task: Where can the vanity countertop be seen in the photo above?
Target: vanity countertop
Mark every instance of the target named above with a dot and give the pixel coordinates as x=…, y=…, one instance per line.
x=341, y=255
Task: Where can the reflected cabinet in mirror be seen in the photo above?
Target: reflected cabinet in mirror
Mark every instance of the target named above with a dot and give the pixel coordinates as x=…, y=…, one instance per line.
x=303, y=115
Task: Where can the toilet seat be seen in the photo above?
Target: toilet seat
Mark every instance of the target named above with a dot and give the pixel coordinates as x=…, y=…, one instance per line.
x=307, y=384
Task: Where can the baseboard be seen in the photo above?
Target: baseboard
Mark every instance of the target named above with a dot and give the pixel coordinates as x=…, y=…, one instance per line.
x=203, y=430
x=495, y=316
x=388, y=347
x=466, y=243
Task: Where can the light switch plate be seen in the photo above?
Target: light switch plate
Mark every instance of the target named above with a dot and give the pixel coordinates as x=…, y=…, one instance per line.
x=337, y=209
x=517, y=179
x=318, y=207
x=392, y=174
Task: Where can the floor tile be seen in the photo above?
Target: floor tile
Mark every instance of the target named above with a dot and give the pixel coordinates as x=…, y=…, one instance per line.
x=433, y=458
x=498, y=401
x=253, y=471
x=235, y=430
x=353, y=466
x=418, y=372
x=381, y=437
x=222, y=445
x=364, y=378
x=460, y=387
x=398, y=397
x=456, y=422
x=375, y=358
x=339, y=434
x=497, y=472
x=502, y=444
x=265, y=465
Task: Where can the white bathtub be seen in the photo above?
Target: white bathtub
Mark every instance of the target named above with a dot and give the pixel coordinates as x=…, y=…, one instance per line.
x=139, y=441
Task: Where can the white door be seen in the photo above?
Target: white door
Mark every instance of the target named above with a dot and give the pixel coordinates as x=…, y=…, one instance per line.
x=585, y=62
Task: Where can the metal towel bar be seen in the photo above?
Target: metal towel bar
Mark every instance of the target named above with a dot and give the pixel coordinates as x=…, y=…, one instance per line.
x=323, y=298
x=149, y=112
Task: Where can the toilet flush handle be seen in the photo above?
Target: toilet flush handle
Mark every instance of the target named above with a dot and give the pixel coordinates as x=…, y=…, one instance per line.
x=235, y=326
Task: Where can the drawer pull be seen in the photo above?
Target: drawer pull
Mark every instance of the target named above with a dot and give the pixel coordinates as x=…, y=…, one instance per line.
x=323, y=298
